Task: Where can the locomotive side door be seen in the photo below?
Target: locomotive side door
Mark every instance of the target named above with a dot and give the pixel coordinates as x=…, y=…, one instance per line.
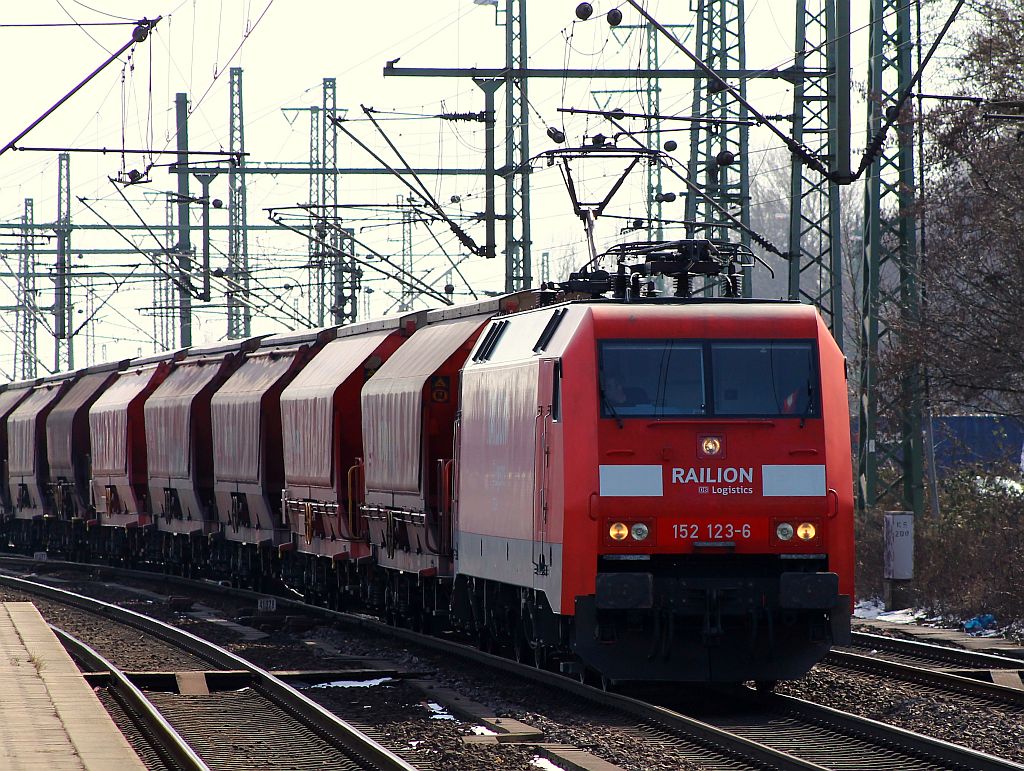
x=547, y=384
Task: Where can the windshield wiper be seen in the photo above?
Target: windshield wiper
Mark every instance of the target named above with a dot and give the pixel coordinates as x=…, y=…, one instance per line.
x=810, y=403
x=611, y=409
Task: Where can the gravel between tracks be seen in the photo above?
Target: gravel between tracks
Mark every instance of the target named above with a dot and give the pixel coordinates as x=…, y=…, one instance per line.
x=398, y=711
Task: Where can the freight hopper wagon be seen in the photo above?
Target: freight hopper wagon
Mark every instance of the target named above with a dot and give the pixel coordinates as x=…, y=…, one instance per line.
x=179, y=452
x=28, y=471
x=10, y=397
x=409, y=426
x=31, y=511
x=248, y=464
x=49, y=449
x=117, y=424
x=662, y=487
x=69, y=444
x=322, y=446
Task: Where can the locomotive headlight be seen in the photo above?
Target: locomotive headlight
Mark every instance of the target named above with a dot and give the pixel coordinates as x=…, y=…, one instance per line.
x=784, y=531
x=639, y=531
x=806, y=531
x=711, y=445
x=618, y=531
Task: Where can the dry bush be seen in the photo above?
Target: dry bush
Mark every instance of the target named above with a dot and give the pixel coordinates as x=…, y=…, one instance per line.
x=870, y=550
x=968, y=560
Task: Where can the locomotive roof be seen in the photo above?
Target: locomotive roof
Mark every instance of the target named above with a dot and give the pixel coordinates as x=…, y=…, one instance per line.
x=721, y=307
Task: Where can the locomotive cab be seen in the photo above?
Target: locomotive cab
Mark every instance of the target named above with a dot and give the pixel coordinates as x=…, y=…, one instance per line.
x=720, y=519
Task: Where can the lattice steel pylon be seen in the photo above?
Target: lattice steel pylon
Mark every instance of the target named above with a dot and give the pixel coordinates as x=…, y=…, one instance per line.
x=516, y=172
x=408, y=293
x=326, y=248
x=337, y=261
x=239, y=311
x=317, y=228
x=889, y=276
x=165, y=308
x=652, y=106
x=815, y=267
x=63, y=331
x=347, y=280
x=25, y=319
x=719, y=164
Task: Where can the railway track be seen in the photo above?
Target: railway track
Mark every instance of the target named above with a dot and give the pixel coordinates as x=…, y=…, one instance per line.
x=266, y=723
x=915, y=652
x=994, y=694
x=168, y=748
x=755, y=731
x=770, y=731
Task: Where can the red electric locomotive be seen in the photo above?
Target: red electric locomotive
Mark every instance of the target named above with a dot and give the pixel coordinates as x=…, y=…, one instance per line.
x=661, y=486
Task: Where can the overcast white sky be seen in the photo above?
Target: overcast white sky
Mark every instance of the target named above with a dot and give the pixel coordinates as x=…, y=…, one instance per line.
x=286, y=48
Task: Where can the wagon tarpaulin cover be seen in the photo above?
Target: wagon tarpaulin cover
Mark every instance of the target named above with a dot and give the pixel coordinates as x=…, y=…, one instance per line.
x=235, y=411
x=393, y=404
x=21, y=428
x=60, y=424
x=307, y=407
x=108, y=421
x=10, y=399
x=169, y=418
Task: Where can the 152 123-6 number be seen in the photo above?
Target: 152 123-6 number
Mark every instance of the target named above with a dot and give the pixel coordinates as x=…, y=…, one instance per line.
x=712, y=531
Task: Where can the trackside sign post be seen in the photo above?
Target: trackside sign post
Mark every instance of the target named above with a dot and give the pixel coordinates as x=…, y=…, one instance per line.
x=898, y=564
x=898, y=533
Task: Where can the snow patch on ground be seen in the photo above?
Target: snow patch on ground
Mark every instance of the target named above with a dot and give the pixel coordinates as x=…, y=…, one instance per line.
x=438, y=712
x=353, y=683
x=545, y=764
x=905, y=616
x=868, y=609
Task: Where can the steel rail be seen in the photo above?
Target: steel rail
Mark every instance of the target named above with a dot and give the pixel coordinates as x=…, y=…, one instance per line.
x=940, y=653
x=953, y=755
x=714, y=740
x=891, y=736
x=935, y=678
x=331, y=726
x=169, y=742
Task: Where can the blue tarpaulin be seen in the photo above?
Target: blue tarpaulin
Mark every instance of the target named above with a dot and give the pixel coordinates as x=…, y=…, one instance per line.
x=962, y=440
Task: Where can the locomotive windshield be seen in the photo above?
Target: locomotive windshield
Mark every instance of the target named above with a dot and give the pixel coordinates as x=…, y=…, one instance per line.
x=652, y=378
x=673, y=378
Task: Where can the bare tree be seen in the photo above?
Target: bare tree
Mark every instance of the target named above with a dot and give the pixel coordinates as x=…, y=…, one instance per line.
x=969, y=338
